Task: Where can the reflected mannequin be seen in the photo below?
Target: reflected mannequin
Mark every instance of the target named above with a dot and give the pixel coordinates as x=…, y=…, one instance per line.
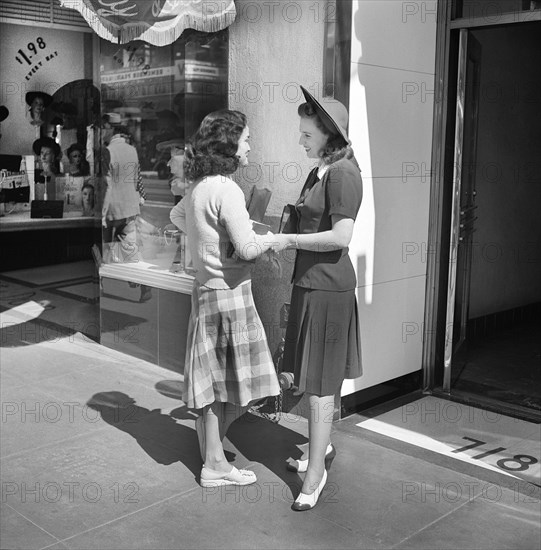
x=48, y=153
x=4, y=113
x=87, y=193
x=78, y=165
x=38, y=102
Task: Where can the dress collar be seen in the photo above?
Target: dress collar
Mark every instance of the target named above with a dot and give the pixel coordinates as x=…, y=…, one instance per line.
x=321, y=170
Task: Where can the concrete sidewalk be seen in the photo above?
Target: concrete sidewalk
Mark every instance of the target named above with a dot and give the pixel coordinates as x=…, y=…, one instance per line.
x=98, y=451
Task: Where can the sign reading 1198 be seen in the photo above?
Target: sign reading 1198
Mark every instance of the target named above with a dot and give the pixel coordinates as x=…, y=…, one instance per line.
x=32, y=51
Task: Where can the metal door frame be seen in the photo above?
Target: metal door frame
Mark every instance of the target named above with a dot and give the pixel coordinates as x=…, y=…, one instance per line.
x=436, y=376
x=455, y=209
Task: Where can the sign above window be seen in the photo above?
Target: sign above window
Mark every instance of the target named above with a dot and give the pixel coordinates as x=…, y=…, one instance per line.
x=158, y=22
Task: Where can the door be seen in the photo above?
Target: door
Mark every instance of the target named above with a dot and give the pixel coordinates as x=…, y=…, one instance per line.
x=463, y=214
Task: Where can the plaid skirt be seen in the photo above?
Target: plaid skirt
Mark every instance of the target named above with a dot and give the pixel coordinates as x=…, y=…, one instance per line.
x=227, y=355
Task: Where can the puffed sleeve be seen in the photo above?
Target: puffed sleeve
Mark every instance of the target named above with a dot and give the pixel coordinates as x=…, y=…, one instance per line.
x=344, y=190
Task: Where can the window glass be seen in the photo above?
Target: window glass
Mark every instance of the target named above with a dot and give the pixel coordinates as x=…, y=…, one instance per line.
x=494, y=10
x=153, y=99
x=337, y=51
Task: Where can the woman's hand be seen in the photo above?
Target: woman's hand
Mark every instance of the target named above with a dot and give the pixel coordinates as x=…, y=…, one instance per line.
x=281, y=241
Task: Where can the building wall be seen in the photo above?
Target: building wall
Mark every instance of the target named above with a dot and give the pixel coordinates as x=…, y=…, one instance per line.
x=391, y=103
x=60, y=61
x=391, y=113
x=274, y=47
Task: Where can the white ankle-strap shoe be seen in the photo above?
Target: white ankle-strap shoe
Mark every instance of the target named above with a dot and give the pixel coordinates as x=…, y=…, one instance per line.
x=302, y=465
x=306, y=502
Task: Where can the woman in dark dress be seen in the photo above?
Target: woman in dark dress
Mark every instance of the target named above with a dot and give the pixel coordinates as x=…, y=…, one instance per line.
x=322, y=337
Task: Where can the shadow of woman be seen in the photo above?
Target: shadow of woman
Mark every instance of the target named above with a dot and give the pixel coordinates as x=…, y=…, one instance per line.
x=173, y=390
x=157, y=434
x=257, y=438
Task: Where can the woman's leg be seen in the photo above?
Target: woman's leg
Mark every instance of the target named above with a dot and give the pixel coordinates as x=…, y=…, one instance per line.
x=214, y=452
x=231, y=413
x=319, y=434
x=219, y=416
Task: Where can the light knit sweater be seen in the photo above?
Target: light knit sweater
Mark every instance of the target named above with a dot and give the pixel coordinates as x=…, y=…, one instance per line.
x=213, y=215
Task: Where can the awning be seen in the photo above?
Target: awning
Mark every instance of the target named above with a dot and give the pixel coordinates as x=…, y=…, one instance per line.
x=159, y=22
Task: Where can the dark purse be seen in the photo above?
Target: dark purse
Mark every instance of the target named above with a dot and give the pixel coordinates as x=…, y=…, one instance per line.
x=272, y=408
x=289, y=220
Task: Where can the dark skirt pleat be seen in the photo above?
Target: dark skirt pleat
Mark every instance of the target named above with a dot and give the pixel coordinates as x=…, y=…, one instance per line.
x=323, y=345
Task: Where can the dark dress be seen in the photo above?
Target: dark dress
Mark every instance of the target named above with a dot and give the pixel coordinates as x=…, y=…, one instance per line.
x=322, y=337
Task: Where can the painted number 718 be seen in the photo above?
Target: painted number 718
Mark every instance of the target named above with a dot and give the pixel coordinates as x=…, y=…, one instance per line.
x=523, y=461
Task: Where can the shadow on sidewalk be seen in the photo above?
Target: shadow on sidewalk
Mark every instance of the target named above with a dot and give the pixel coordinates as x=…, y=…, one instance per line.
x=270, y=444
x=158, y=434
x=258, y=439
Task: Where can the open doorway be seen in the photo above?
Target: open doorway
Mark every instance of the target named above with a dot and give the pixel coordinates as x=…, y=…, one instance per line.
x=494, y=302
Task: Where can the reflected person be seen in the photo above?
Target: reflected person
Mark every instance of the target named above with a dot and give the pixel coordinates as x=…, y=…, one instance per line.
x=121, y=204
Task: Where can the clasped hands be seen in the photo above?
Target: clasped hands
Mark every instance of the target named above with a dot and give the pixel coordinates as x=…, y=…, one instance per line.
x=279, y=241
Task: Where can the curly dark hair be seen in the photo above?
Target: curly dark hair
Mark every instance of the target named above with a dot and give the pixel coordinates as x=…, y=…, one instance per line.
x=336, y=147
x=212, y=150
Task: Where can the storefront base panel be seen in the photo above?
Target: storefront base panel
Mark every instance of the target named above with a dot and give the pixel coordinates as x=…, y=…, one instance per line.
x=492, y=405
x=381, y=393
x=145, y=322
x=43, y=246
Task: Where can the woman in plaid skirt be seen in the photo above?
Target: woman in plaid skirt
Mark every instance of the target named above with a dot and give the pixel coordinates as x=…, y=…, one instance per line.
x=228, y=364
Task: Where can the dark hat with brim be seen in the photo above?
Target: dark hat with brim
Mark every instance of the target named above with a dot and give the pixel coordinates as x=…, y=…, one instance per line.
x=334, y=115
x=170, y=144
x=46, y=142
x=30, y=96
x=4, y=113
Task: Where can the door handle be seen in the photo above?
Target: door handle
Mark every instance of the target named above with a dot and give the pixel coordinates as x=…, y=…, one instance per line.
x=468, y=209
x=461, y=239
x=463, y=225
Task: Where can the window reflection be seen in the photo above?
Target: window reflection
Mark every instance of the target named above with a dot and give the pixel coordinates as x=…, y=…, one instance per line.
x=163, y=93
x=159, y=96
x=492, y=11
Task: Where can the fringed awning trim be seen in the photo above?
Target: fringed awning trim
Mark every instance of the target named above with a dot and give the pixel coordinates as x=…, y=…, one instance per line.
x=158, y=33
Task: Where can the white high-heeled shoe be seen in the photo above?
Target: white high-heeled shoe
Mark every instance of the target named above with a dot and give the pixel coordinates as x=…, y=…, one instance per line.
x=306, y=502
x=302, y=465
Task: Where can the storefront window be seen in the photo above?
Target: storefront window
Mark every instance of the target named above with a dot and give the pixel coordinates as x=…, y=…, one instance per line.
x=337, y=53
x=153, y=99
